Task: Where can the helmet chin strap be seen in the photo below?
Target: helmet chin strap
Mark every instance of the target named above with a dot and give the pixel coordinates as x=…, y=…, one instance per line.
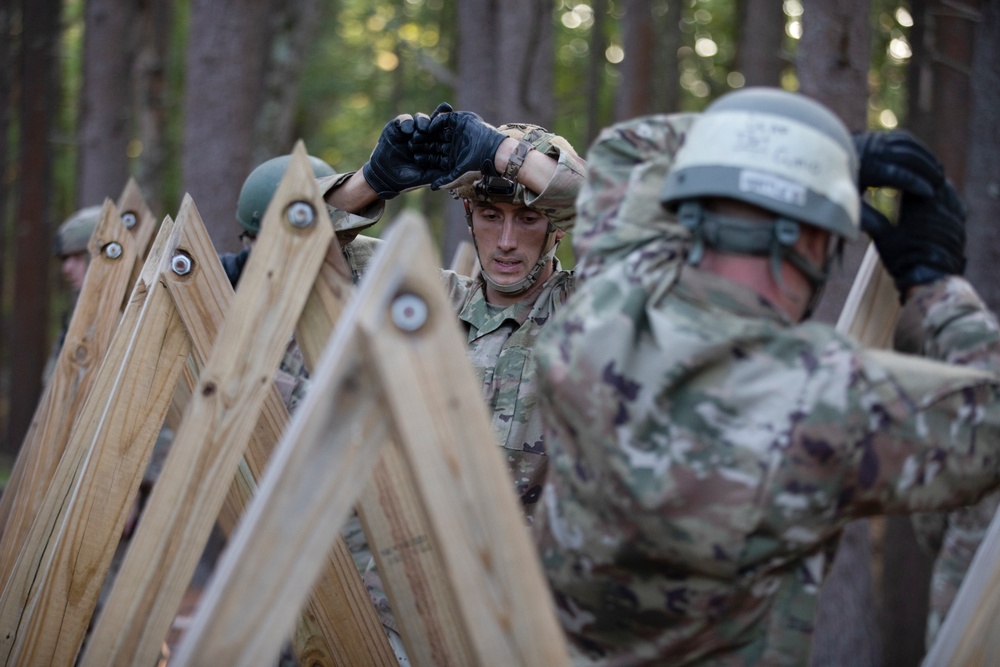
x=749, y=237
x=528, y=281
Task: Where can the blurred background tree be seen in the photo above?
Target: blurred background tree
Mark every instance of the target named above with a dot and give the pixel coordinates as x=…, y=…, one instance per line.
x=190, y=95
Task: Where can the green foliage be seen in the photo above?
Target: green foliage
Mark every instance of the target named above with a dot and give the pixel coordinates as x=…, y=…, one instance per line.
x=891, y=23
x=375, y=61
x=63, y=202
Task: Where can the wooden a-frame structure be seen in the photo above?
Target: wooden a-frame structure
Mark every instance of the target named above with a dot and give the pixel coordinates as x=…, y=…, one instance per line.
x=296, y=274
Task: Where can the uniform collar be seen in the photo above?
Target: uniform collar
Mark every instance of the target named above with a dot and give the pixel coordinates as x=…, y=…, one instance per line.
x=697, y=285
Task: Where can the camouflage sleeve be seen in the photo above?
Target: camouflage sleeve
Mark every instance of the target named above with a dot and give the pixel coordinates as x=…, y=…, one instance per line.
x=458, y=287
x=370, y=215
x=966, y=529
x=958, y=327
x=619, y=208
x=292, y=378
x=933, y=437
x=558, y=199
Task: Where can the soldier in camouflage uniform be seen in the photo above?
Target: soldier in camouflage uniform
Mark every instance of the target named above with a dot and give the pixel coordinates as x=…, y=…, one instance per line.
x=518, y=184
x=952, y=539
x=255, y=195
x=707, y=445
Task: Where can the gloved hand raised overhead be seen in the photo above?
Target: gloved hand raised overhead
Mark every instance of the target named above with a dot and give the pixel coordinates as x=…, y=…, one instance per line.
x=927, y=243
x=894, y=160
x=456, y=143
x=391, y=169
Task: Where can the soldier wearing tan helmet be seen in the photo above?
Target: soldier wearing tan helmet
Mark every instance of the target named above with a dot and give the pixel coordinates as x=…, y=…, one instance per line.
x=519, y=184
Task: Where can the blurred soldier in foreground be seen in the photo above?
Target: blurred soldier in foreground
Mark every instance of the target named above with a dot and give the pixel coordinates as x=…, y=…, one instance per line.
x=708, y=444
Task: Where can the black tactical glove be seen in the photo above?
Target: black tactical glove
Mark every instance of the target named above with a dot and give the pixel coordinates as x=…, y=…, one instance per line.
x=927, y=243
x=391, y=168
x=455, y=142
x=894, y=160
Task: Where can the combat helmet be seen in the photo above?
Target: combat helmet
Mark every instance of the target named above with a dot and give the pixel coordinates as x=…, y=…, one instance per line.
x=73, y=235
x=779, y=151
x=260, y=186
x=475, y=187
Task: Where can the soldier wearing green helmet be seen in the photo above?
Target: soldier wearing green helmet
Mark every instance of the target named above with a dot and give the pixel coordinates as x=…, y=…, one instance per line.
x=707, y=444
x=256, y=193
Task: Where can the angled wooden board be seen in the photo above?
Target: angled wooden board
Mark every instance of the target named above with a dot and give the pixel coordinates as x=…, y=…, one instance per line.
x=394, y=524
x=872, y=308
x=109, y=279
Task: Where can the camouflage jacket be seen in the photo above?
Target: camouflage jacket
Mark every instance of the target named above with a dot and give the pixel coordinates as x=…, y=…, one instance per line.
x=501, y=348
x=705, y=452
x=292, y=378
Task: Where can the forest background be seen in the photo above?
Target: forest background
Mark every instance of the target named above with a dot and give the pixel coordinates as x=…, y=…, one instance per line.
x=187, y=96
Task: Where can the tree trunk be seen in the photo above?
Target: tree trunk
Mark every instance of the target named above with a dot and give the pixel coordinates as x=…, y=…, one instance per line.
x=149, y=76
x=32, y=240
x=108, y=51
x=505, y=69
x=918, y=75
x=8, y=49
x=666, y=82
x=595, y=69
x=634, y=96
x=292, y=27
x=982, y=173
x=225, y=57
x=951, y=33
x=761, y=37
x=832, y=66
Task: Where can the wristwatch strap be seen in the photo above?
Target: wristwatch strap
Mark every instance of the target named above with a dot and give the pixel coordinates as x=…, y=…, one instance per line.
x=517, y=159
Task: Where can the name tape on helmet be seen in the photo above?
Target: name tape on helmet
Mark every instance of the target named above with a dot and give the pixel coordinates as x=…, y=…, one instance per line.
x=772, y=187
x=781, y=157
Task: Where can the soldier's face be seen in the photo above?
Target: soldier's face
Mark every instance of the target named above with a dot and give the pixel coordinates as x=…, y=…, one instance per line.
x=74, y=269
x=510, y=239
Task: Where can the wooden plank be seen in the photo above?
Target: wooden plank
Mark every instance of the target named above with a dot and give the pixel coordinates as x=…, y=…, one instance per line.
x=215, y=429
x=430, y=397
x=389, y=508
x=132, y=206
x=255, y=636
x=335, y=600
x=49, y=598
x=872, y=307
x=87, y=338
x=477, y=526
x=410, y=568
x=328, y=633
